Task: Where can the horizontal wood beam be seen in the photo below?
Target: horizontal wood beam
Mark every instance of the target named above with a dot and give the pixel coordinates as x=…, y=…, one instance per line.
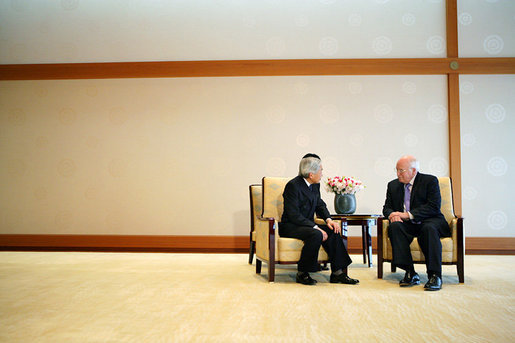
x=396, y=66
x=485, y=65
x=201, y=244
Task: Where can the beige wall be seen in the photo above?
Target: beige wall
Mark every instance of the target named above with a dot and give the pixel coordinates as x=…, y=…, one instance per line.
x=175, y=156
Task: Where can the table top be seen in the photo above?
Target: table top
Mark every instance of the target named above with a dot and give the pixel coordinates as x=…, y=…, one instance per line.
x=358, y=216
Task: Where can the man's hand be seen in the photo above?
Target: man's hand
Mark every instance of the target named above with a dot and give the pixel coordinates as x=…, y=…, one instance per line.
x=324, y=234
x=398, y=216
x=334, y=226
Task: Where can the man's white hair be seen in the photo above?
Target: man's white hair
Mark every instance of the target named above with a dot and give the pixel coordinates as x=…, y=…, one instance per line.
x=413, y=163
x=309, y=165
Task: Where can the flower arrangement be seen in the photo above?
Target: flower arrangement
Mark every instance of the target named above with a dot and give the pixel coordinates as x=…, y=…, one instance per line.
x=343, y=185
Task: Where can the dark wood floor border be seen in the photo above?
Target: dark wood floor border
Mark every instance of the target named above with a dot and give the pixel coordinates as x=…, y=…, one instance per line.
x=490, y=245
x=214, y=244
x=201, y=244
x=293, y=67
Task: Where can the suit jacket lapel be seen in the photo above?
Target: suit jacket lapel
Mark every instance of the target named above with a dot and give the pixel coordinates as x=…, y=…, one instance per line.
x=305, y=189
x=312, y=198
x=401, y=196
x=413, y=189
x=309, y=194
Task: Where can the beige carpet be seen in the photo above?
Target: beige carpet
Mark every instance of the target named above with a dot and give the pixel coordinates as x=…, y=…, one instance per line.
x=143, y=297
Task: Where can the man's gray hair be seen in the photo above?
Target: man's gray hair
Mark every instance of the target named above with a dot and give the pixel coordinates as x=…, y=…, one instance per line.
x=309, y=165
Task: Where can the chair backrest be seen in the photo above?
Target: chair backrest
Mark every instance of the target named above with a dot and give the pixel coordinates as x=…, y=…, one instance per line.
x=256, y=203
x=273, y=188
x=446, y=192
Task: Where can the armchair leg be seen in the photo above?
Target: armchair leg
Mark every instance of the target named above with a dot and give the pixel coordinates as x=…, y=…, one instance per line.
x=251, y=251
x=271, y=271
x=258, y=266
x=461, y=272
x=380, y=259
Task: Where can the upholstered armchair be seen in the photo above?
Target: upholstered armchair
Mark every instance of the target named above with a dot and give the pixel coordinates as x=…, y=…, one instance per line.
x=452, y=247
x=256, y=203
x=270, y=247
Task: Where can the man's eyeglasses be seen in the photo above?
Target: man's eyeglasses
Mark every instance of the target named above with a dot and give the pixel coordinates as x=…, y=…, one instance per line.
x=400, y=171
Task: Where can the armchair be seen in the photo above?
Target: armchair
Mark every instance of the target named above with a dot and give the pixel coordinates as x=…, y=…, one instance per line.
x=452, y=247
x=270, y=247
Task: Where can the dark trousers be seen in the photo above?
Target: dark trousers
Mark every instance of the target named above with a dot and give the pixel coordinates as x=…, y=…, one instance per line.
x=428, y=236
x=312, y=238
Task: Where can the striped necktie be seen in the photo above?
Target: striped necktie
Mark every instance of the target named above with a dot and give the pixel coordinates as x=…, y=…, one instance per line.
x=407, y=196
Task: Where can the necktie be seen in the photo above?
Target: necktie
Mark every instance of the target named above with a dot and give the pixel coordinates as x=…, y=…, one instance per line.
x=407, y=196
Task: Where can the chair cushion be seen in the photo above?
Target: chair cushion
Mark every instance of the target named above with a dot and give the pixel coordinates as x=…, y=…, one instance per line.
x=290, y=249
x=449, y=246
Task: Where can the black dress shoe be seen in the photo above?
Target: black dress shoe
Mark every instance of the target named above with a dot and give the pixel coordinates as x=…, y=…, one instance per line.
x=343, y=278
x=410, y=280
x=434, y=283
x=305, y=279
x=322, y=267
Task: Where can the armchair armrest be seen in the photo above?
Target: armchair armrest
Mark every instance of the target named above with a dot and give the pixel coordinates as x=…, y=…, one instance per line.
x=456, y=226
x=382, y=234
x=319, y=221
x=265, y=238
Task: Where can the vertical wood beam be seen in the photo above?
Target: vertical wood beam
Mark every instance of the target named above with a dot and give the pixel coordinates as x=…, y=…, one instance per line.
x=452, y=28
x=453, y=99
x=453, y=87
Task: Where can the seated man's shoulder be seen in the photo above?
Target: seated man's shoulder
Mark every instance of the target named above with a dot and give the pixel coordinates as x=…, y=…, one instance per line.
x=428, y=177
x=295, y=180
x=293, y=183
x=394, y=182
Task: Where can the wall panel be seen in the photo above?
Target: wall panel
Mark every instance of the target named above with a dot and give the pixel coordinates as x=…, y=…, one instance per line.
x=176, y=156
x=488, y=157
x=486, y=28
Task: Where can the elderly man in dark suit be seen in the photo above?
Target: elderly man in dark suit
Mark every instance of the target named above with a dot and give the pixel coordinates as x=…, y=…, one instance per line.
x=413, y=207
x=301, y=202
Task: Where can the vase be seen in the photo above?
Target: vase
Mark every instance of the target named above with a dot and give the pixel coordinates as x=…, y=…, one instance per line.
x=345, y=203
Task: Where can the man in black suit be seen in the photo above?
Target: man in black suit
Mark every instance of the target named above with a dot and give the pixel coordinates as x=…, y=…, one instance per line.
x=413, y=207
x=301, y=201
